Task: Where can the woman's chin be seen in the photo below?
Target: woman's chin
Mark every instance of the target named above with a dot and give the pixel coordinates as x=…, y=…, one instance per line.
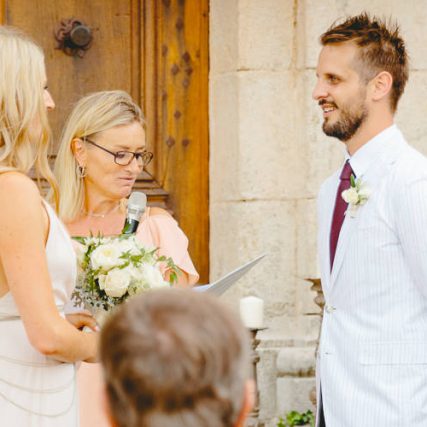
x=124, y=193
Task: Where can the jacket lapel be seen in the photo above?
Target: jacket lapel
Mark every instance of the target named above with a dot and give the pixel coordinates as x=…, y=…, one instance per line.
x=372, y=178
x=327, y=210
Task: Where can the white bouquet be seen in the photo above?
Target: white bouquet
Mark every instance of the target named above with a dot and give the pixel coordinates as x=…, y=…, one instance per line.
x=113, y=269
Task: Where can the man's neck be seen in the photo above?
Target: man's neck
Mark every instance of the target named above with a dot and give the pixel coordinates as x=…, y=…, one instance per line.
x=373, y=125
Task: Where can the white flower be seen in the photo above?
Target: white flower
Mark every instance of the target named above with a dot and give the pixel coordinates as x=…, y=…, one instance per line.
x=151, y=277
x=106, y=257
x=80, y=253
x=357, y=195
x=116, y=282
x=154, y=277
x=128, y=245
x=350, y=196
x=364, y=194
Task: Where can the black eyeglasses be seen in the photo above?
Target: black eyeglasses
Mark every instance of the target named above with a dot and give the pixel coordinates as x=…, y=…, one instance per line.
x=124, y=158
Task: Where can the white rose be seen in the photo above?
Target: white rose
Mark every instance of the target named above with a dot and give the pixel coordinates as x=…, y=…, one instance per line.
x=128, y=245
x=364, y=194
x=350, y=196
x=80, y=254
x=152, y=277
x=116, y=282
x=106, y=256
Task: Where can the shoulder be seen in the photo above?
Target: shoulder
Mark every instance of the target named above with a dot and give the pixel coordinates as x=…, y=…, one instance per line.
x=410, y=167
x=155, y=211
x=19, y=185
x=20, y=199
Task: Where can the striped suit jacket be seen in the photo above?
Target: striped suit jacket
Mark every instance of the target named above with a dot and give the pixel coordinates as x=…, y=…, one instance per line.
x=372, y=359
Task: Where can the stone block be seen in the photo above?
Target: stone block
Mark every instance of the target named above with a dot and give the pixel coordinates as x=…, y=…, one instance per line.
x=223, y=36
x=267, y=29
x=224, y=137
x=241, y=231
x=270, y=162
x=296, y=362
x=293, y=394
x=267, y=378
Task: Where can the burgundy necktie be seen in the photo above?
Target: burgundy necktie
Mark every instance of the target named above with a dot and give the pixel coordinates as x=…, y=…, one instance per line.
x=339, y=210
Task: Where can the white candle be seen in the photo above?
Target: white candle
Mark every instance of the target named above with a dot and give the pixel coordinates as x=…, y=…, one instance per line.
x=252, y=312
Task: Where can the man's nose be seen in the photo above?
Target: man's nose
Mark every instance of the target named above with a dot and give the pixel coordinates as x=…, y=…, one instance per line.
x=319, y=91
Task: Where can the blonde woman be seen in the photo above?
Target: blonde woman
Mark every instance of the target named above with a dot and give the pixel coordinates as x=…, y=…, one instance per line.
x=101, y=154
x=38, y=346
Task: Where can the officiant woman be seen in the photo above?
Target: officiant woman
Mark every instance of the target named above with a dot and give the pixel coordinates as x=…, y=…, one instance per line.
x=101, y=154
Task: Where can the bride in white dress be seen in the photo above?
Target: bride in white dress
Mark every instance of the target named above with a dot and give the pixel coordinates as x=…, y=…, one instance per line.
x=38, y=345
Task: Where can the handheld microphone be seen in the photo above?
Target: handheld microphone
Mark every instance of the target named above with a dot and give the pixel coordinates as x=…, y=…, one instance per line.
x=135, y=208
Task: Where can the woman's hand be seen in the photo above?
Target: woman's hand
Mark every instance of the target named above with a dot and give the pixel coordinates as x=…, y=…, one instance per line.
x=80, y=320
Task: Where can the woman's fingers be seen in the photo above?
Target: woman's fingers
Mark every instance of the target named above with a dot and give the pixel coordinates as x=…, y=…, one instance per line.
x=80, y=320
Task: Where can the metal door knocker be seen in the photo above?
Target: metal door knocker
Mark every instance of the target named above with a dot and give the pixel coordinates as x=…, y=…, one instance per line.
x=74, y=37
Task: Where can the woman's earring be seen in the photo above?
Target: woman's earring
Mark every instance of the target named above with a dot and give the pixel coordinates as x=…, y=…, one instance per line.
x=81, y=171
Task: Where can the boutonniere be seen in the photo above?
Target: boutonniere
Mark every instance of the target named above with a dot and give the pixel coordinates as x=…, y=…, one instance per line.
x=357, y=195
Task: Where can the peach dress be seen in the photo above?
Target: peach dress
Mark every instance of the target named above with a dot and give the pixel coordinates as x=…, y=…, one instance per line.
x=160, y=231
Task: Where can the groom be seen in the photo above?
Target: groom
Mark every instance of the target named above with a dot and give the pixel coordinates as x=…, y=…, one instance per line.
x=372, y=360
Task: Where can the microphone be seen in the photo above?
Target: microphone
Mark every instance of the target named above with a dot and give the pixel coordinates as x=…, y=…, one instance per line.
x=135, y=208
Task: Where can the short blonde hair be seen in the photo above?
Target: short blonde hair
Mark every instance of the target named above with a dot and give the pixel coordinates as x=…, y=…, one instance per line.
x=22, y=72
x=92, y=114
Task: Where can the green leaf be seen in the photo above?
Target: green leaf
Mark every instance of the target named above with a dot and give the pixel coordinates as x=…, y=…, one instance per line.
x=352, y=181
x=295, y=418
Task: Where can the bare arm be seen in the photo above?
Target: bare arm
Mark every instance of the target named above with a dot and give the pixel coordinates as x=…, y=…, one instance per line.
x=23, y=231
x=183, y=277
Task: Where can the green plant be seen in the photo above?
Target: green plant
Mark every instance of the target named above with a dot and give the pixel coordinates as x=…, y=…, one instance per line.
x=295, y=418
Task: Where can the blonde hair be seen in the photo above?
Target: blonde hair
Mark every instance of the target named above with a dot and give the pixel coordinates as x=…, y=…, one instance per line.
x=92, y=114
x=22, y=72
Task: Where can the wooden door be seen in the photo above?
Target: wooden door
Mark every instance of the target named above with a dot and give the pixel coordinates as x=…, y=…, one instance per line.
x=157, y=50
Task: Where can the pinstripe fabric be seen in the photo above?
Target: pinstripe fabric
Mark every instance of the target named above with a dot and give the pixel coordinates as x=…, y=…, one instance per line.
x=372, y=360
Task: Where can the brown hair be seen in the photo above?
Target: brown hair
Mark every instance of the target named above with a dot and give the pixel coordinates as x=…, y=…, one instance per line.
x=175, y=357
x=381, y=48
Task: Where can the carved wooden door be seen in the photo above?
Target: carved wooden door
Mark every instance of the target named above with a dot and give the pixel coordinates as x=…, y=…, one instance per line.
x=157, y=50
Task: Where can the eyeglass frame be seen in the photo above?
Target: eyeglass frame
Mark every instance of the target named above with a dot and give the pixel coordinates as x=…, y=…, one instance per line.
x=135, y=155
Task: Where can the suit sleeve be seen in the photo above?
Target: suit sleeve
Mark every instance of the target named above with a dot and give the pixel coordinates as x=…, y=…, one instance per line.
x=411, y=215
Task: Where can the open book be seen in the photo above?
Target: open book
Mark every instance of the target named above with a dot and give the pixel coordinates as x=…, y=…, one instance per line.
x=221, y=285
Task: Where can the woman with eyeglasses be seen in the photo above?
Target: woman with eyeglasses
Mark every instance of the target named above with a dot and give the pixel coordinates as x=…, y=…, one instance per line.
x=102, y=152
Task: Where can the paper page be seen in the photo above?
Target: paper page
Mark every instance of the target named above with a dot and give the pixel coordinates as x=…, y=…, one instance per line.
x=221, y=285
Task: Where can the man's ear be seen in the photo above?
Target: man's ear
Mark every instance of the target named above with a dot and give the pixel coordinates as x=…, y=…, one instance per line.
x=79, y=150
x=381, y=85
x=248, y=403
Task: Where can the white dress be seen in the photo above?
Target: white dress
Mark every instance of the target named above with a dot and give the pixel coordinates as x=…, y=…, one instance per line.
x=36, y=390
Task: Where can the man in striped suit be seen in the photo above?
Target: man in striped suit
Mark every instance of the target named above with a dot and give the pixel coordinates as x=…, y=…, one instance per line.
x=372, y=359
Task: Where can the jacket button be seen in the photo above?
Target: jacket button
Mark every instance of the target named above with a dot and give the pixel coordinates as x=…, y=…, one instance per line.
x=330, y=309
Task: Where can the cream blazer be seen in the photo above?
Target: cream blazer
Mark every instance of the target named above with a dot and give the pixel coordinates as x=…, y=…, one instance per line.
x=372, y=359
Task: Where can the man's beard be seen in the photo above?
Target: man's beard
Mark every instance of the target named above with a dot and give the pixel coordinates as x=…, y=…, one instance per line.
x=347, y=124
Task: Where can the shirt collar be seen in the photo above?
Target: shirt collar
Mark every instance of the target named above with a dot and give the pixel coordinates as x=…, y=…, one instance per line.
x=368, y=153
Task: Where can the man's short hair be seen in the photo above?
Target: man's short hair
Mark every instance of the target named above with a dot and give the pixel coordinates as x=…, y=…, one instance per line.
x=175, y=358
x=381, y=48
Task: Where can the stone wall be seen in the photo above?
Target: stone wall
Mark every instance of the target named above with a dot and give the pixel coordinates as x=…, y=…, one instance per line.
x=268, y=158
